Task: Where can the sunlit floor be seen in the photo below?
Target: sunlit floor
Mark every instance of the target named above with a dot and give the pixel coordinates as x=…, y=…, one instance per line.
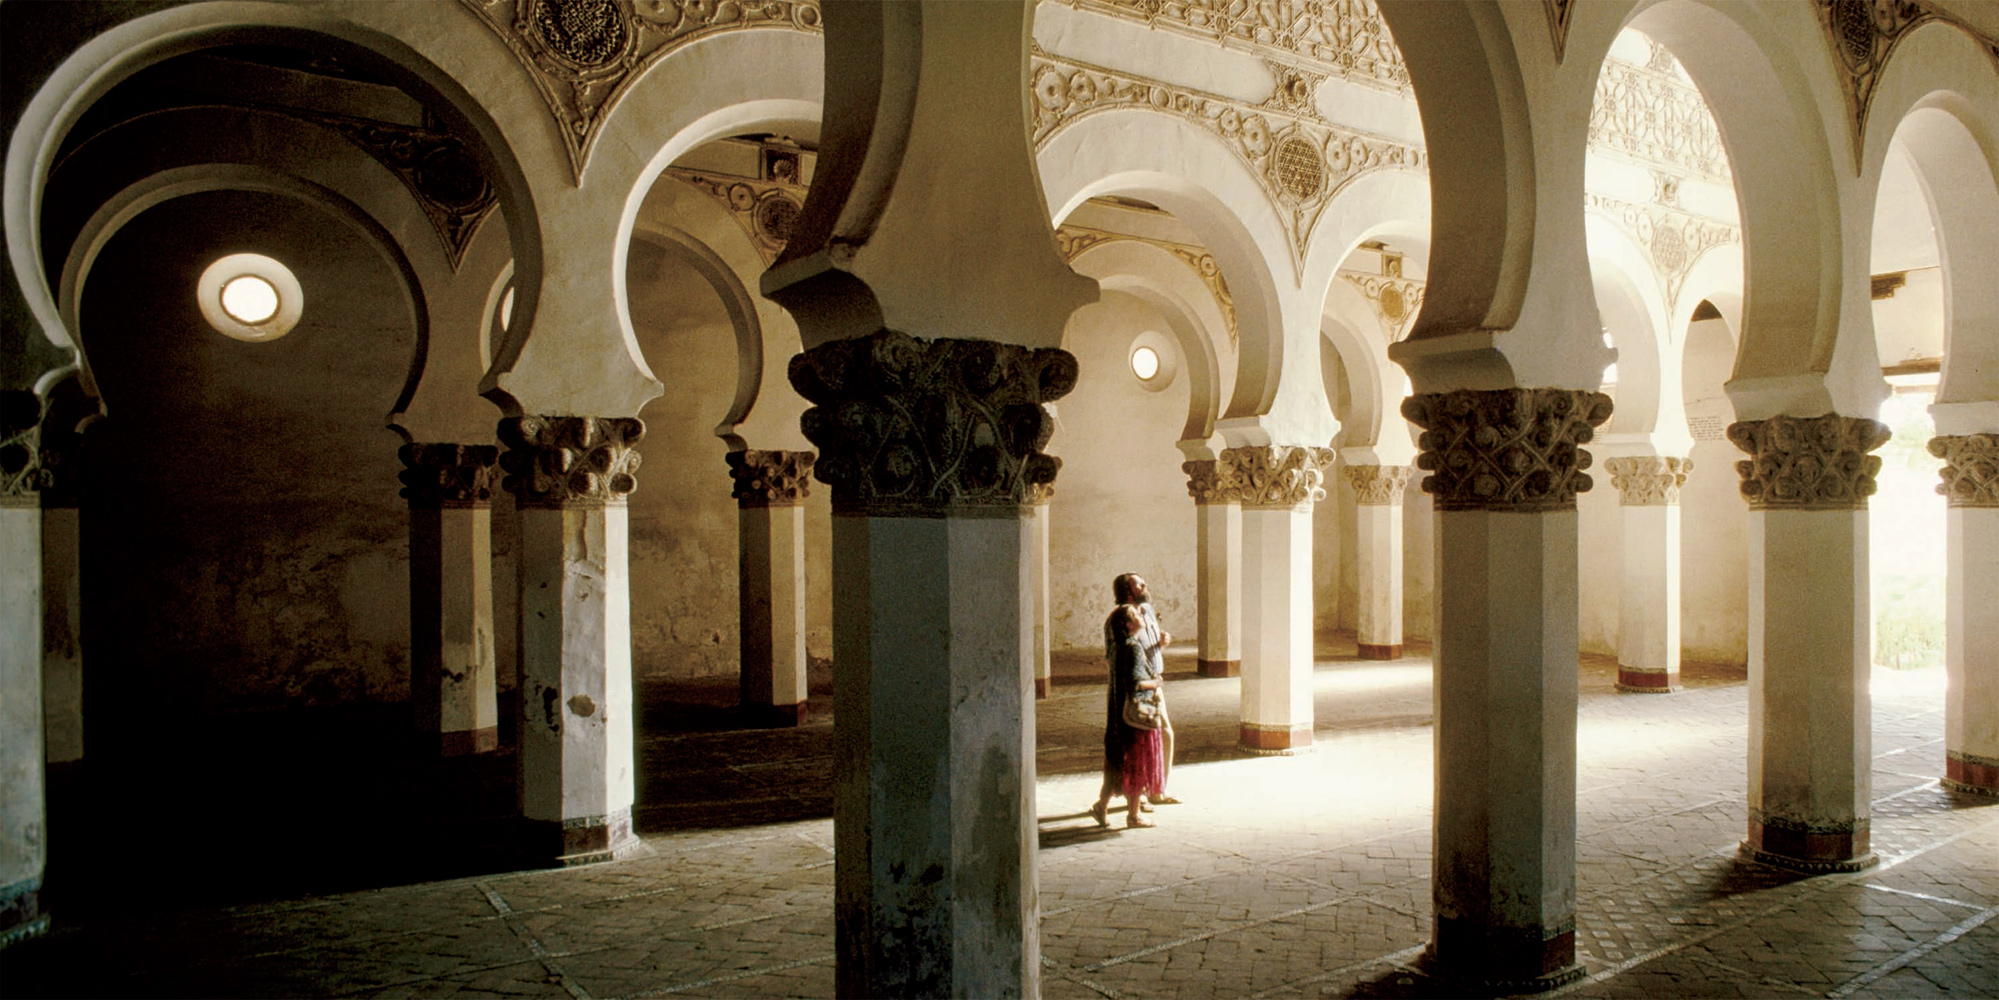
x=1286, y=876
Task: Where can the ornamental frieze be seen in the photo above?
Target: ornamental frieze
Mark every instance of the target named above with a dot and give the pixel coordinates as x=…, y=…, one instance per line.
x=1275, y=476
x=1672, y=237
x=1648, y=480
x=913, y=427
x=1396, y=299
x=770, y=478
x=1506, y=449
x=766, y=209
x=1971, y=469
x=1654, y=115
x=584, y=54
x=1379, y=485
x=554, y=462
x=1342, y=38
x=445, y=475
x=1072, y=241
x=1808, y=463
x=1863, y=34
x=1302, y=163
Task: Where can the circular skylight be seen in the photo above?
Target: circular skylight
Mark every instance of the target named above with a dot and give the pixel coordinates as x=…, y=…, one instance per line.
x=1145, y=364
x=249, y=299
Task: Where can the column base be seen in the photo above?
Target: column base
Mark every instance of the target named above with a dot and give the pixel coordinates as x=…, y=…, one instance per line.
x=583, y=841
x=1380, y=651
x=1274, y=741
x=1040, y=688
x=774, y=716
x=21, y=915
x=1503, y=960
x=1640, y=681
x=1970, y=774
x=468, y=741
x=1813, y=852
x=1219, y=668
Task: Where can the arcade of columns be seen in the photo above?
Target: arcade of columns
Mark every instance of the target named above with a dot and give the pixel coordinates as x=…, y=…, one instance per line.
x=928, y=413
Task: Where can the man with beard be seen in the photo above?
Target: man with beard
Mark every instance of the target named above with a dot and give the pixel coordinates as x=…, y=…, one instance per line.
x=1130, y=588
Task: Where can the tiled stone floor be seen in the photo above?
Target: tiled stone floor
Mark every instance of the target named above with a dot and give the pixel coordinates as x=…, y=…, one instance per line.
x=1293, y=877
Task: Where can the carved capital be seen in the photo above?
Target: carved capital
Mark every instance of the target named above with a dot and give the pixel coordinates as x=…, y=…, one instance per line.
x=1648, y=480
x=1275, y=476
x=1808, y=463
x=1971, y=469
x=553, y=462
x=1379, y=485
x=908, y=427
x=1207, y=485
x=770, y=478
x=437, y=476
x=22, y=474
x=1506, y=449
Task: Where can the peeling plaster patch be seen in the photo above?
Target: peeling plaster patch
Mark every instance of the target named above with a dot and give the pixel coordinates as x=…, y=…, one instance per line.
x=548, y=710
x=582, y=705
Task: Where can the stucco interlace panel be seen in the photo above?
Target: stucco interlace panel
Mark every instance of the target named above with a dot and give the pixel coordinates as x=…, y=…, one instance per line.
x=1343, y=38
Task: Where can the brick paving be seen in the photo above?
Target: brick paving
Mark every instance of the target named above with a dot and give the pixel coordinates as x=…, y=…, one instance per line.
x=1281, y=877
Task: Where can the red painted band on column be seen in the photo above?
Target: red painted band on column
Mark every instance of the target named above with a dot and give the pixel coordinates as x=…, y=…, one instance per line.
x=1972, y=774
x=1808, y=845
x=1633, y=679
x=1380, y=651
x=1219, y=668
x=468, y=741
x=1040, y=687
x=1260, y=739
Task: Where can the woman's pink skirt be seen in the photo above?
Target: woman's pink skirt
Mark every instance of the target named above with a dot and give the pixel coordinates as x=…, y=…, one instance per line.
x=1144, y=764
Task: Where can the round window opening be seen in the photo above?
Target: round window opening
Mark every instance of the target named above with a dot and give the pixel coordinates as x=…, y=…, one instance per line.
x=1145, y=364
x=249, y=297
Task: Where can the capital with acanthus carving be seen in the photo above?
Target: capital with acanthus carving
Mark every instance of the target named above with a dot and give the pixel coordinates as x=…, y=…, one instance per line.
x=1274, y=477
x=1208, y=483
x=1379, y=485
x=445, y=475
x=1648, y=480
x=1808, y=463
x=1506, y=449
x=1971, y=469
x=22, y=473
x=908, y=427
x=770, y=478
x=555, y=462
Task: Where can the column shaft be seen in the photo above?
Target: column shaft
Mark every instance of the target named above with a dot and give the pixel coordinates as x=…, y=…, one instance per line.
x=772, y=546
x=1971, y=631
x=62, y=636
x=1218, y=586
x=1044, y=671
x=570, y=476
x=1648, y=623
x=453, y=670
x=1505, y=467
x=1277, y=629
x=1810, y=752
x=23, y=810
x=1378, y=558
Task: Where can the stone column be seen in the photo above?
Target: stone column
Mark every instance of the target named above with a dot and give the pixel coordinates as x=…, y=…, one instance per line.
x=453, y=697
x=1218, y=576
x=770, y=492
x=1971, y=630
x=933, y=449
x=1278, y=486
x=23, y=808
x=1648, y=621
x=1504, y=469
x=1378, y=548
x=62, y=596
x=1044, y=668
x=1810, y=749
x=570, y=477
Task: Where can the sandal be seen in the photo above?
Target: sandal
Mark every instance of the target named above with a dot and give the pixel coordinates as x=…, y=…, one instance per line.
x=1139, y=823
x=1144, y=806
x=1165, y=800
x=1098, y=813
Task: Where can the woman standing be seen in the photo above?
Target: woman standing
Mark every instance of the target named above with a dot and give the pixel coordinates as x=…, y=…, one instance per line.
x=1134, y=758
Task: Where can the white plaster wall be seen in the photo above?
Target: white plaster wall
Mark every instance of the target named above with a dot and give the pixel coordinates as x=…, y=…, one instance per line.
x=1121, y=502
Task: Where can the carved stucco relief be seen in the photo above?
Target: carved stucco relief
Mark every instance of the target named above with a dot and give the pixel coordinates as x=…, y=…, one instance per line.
x=766, y=209
x=1674, y=239
x=1506, y=449
x=22, y=473
x=1274, y=476
x=441, y=475
x=1396, y=299
x=553, y=462
x=770, y=478
x=1863, y=34
x=1300, y=160
x=584, y=54
x=1559, y=12
x=1652, y=115
x=1072, y=241
x=1379, y=485
x=908, y=427
x=1342, y=38
x=1808, y=463
x=1648, y=480
x=1971, y=469
x=437, y=169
